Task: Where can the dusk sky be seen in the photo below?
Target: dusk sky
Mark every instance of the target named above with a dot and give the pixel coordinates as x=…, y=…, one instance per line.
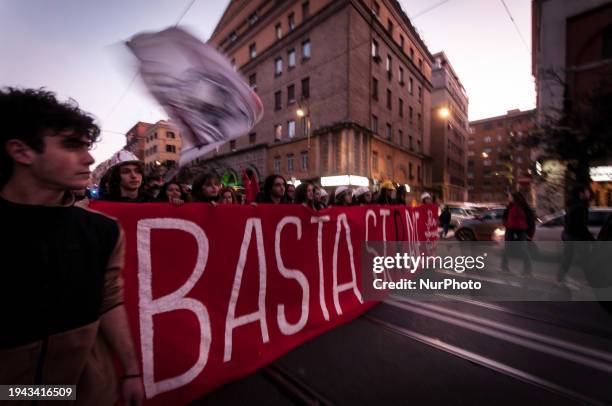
x=73, y=47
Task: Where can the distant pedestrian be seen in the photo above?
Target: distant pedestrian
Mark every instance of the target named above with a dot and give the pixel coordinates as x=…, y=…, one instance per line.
x=426, y=198
x=519, y=221
x=445, y=220
x=401, y=195
x=575, y=228
x=290, y=193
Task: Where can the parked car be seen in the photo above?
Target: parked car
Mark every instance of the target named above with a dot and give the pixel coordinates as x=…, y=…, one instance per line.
x=482, y=227
x=551, y=227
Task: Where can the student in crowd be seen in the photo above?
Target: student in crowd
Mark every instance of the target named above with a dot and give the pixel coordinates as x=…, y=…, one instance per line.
x=426, y=198
x=343, y=196
x=61, y=297
x=304, y=194
x=227, y=196
x=206, y=188
x=273, y=190
x=386, y=193
x=125, y=180
x=290, y=193
x=172, y=192
x=401, y=195
x=363, y=196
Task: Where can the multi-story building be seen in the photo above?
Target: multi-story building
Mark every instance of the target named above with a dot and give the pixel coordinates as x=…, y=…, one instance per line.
x=572, y=55
x=346, y=88
x=162, y=148
x=135, y=139
x=449, y=131
x=498, y=162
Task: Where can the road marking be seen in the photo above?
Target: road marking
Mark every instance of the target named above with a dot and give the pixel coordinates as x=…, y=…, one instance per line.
x=486, y=362
x=583, y=355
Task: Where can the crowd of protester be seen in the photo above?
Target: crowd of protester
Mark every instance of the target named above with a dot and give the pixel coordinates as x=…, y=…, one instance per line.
x=125, y=182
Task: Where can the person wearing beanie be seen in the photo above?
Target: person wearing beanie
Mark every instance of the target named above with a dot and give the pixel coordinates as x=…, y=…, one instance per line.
x=343, y=196
x=386, y=193
x=426, y=198
x=363, y=196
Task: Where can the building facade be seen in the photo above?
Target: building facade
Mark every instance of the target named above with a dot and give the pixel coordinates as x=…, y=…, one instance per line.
x=449, y=131
x=498, y=163
x=162, y=148
x=572, y=43
x=135, y=139
x=346, y=88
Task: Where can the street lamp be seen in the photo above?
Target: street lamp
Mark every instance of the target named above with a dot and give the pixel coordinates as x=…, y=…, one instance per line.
x=485, y=155
x=303, y=112
x=444, y=112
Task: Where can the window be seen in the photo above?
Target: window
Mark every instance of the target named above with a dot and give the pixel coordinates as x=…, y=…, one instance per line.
x=400, y=137
x=305, y=10
x=420, y=64
x=410, y=85
x=304, y=160
x=233, y=145
x=419, y=121
x=389, y=26
x=291, y=128
x=306, y=49
x=486, y=162
x=375, y=50
x=279, y=31
x=252, y=138
x=402, y=42
x=290, y=163
x=376, y=9
x=253, y=18
x=290, y=94
x=410, y=144
x=389, y=99
x=253, y=81
x=374, y=88
x=155, y=149
x=277, y=164
x=410, y=174
x=375, y=160
x=278, y=66
x=170, y=148
x=170, y=134
x=374, y=124
x=233, y=37
x=291, y=59
x=389, y=63
x=291, y=21
x=278, y=132
x=419, y=173
x=420, y=93
x=278, y=104
x=304, y=126
x=411, y=53
x=389, y=132
x=487, y=139
x=401, y=75
x=401, y=107
x=306, y=88
x=155, y=135
x=252, y=51
x=410, y=113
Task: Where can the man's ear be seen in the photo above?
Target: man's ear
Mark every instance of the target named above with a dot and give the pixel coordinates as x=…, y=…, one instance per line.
x=20, y=152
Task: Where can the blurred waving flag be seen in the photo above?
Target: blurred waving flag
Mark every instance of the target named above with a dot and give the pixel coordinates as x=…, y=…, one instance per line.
x=198, y=87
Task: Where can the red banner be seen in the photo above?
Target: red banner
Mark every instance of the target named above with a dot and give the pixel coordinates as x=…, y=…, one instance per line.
x=215, y=293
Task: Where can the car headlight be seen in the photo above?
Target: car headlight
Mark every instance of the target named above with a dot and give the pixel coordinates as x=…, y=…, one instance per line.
x=499, y=233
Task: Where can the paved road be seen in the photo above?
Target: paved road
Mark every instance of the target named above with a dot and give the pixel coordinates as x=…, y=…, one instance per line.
x=451, y=352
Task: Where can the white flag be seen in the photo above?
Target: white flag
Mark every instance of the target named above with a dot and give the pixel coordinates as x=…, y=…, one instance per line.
x=198, y=87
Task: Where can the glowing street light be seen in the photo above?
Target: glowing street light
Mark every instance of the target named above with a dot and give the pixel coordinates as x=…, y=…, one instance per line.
x=444, y=112
x=485, y=155
x=300, y=112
